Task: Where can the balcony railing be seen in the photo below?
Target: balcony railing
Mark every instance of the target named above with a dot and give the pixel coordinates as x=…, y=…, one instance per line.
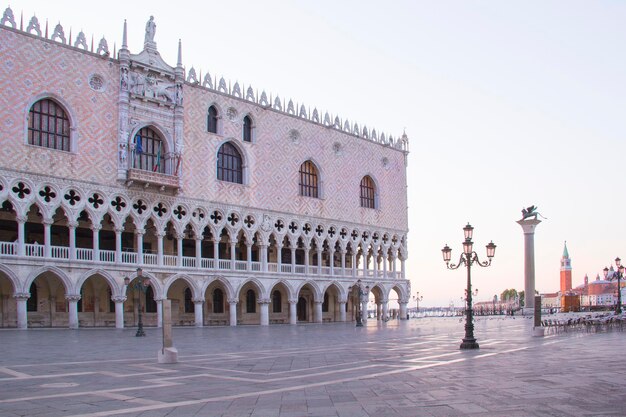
x=35, y=250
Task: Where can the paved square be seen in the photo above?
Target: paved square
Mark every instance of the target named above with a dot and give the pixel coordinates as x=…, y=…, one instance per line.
x=398, y=368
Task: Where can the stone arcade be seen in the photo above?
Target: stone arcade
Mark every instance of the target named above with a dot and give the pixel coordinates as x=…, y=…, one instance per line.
x=241, y=209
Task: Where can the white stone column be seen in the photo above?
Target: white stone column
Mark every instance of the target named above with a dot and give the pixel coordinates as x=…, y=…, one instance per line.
x=265, y=316
x=403, y=266
x=319, y=260
x=279, y=257
x=233, y=254
x=118, y=245
x=179, y=249
x=198, y=304
x=216, y=254
x=528, y=226
x=72, y=225
x=375, y=262
x=366, y=258
x=21, y=221
x=22, y=313
x=385, y=305
x=403, y=309
x=343, y=262
x=160, y=234
x=159, y=304
x=47, y=250
x=293, y=260
x=199, y=252
x=379, y=311
x=293, y=313
x=318, y=312
x=353, y=263
x=384, y=256
x=95, y=232
x=342, y=310
x=232, y=304
x=119, y=311
x=263, y=256
x=331, y=256
x=306, y=258
x=248, y=256
x=394, y=257
x=139, y=236
x=73, y=310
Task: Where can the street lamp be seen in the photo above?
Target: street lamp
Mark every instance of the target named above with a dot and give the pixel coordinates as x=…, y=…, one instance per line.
x=417, y=299
x=140, y=285
x=619, y=274
x=468, y=258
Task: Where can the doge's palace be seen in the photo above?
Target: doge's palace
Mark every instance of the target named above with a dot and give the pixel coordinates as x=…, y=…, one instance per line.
x=239, y=207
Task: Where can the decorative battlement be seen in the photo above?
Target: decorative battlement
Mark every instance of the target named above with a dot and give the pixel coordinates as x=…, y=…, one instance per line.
x=212, y=83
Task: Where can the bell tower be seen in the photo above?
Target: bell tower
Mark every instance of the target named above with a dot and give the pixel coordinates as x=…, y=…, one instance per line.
x=566, y=271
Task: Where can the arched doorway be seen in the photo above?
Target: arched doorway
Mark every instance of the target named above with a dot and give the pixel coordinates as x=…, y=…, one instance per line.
x=95, y=307
x=302, y=309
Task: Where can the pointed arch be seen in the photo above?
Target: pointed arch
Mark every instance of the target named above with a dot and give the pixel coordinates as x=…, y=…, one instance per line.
x=108, y=277
x=151, y=145
x=231, y=163
x=50, y=123
x=196, y=293
x=248, y=129
x=310, y=180
x=65, y=280
x=368, y=193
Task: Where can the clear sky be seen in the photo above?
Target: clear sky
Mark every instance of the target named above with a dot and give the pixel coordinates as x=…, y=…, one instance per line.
x=507, y=104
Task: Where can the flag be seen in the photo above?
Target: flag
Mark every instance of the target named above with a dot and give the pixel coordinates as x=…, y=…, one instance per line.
x=138, y=147
x=156, y=166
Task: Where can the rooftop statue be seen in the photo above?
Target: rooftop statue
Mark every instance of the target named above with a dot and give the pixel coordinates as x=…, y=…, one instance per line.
x=529, y=212
x=150, y=30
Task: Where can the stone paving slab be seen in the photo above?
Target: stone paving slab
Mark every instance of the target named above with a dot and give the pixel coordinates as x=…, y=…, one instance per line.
x=398, y=368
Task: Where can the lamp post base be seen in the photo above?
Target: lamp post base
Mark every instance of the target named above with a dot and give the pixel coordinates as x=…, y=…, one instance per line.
x=469, y=344
x=140, y=332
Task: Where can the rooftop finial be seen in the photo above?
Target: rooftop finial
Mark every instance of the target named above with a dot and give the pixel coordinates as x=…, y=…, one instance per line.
x=180, y=54
x=124, y=37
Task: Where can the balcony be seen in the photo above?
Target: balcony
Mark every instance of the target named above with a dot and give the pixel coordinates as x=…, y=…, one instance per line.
x=89, y=256
x=156, y=179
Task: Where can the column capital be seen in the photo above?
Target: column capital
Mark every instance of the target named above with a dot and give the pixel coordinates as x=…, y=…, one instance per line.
x=72, y=224
x=318, y=302
x=292, y=301
x=21, y=218
x=50, y=222
x=233, y=300
x=21, y=295
x=159, y=234
x=263, y=301
x=198, y=300
x=140, y=232
x=96, y=227
x=528, y=225
x=118, y=298
x=72, y=297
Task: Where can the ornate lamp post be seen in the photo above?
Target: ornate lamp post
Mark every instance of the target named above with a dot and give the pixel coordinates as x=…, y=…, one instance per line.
x=417, y=297
x=141, y=285
x=619, y=274
x=468, y=258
